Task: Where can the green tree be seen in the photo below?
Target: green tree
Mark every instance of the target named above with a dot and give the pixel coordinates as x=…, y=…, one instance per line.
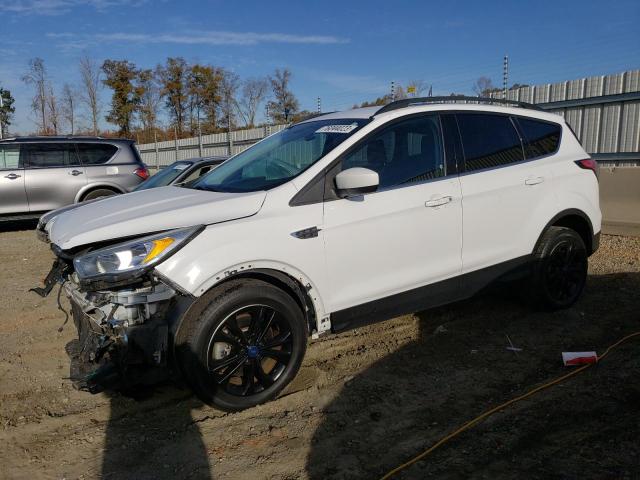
x=284, y=105
x=173, y=88
x=204, y=85
x=120, y=76
x=6, y=110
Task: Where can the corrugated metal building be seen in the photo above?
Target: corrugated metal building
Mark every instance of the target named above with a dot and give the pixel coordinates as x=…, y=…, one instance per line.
x=604, y=111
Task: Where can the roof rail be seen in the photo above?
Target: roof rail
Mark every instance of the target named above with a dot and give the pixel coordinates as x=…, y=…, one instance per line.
x=64, y=137
x=408, y=102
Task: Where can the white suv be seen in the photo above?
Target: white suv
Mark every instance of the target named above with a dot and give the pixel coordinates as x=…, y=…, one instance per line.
x=346, y=218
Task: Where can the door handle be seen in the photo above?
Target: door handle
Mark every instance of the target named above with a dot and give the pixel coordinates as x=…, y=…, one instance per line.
x=12, y=176
x=533, y=180
x=437, y=202
x=75, y=173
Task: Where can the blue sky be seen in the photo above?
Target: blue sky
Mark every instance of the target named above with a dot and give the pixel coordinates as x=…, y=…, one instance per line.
x=343, y=51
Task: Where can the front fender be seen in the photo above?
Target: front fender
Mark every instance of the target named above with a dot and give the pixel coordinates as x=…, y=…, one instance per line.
x=246, y=268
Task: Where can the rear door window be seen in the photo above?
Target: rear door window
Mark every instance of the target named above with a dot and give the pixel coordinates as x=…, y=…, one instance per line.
x=489, y=141
x=96, y=153
x=10, y=157
x=47, y=155
x=541, y=138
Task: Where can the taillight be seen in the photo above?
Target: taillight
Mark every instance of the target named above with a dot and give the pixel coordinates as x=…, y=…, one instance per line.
x=588, y=164
x=142, y=172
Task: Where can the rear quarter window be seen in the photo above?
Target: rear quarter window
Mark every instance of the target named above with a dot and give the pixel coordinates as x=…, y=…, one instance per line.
x=96, y=153
x=541, y=138
x=489, y=140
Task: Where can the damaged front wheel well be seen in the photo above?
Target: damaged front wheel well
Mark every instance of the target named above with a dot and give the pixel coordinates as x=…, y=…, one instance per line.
x=292, y=286
x=287, y=283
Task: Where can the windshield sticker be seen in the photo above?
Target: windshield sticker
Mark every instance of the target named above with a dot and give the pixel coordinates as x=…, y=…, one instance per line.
x=180, y=166
x=338, y=128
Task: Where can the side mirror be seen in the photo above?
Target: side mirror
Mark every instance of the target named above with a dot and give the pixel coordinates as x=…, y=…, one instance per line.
x=356, y=181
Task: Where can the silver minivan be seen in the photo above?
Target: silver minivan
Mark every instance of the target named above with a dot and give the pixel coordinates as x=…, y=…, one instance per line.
x=38, y=174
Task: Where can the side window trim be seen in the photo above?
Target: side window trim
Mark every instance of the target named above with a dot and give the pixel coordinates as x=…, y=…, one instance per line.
x=516, y=127
x=454, y=159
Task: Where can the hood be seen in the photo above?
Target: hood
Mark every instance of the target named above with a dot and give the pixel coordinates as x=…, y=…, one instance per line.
x=148, y=211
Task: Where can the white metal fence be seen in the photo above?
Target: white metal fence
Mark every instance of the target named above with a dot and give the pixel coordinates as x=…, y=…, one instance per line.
x=604, y=111
x=164, y=153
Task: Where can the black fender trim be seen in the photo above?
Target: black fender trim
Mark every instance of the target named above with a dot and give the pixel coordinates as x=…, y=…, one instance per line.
x=300, y=293
x=593, y=238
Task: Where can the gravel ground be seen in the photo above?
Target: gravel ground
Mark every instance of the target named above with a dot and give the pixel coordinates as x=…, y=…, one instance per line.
x=364, y=401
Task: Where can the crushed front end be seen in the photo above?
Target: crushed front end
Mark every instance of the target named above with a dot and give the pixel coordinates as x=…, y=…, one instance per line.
x=123, y=334
x=124, y=320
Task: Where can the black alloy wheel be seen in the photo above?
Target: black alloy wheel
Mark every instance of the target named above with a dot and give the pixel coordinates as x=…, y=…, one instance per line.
x=565, y=271
x=249, y=350
x=559, y=269
x=241, y=343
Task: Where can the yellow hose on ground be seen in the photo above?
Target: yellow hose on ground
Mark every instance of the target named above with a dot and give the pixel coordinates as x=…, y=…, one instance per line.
x=488, y=413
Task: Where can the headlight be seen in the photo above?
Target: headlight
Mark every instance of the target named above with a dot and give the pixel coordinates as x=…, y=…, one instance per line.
x=132, y=257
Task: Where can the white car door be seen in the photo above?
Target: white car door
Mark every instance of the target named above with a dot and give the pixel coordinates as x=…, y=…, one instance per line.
x=406, y=235
x=501, y=191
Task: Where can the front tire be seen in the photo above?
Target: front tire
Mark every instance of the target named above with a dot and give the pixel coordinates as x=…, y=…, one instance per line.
x=244, y=346
x=559, y=270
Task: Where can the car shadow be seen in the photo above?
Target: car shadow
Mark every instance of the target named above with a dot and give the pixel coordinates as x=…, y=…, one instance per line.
x=18, y=225
x=475, y=355
x=154, y=436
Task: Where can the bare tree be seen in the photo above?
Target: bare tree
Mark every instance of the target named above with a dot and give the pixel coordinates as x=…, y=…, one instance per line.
x=484, y=87
x=68, y=107
x=284, y=105
x=90, y=89
x=254, y=91
x=53, y=112
x=149, y=100
x=228, y=104
x=37, y=76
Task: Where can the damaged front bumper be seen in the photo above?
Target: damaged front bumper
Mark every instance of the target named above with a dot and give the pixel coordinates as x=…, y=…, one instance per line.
x=124, y=333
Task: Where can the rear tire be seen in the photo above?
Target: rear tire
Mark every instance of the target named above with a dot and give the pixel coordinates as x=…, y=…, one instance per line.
x=243, y=346
x=99, y=193
x=559, y=270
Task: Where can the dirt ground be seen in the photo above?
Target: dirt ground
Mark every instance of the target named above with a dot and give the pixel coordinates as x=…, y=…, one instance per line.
x=364, y=402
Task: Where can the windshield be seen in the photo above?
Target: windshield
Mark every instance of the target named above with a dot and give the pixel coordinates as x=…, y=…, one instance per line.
x=164, y=176
x=280, y=157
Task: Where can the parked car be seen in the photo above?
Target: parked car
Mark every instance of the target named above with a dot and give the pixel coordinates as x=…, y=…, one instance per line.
x=348, y=218
x=182, y=171
x=38, y=174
